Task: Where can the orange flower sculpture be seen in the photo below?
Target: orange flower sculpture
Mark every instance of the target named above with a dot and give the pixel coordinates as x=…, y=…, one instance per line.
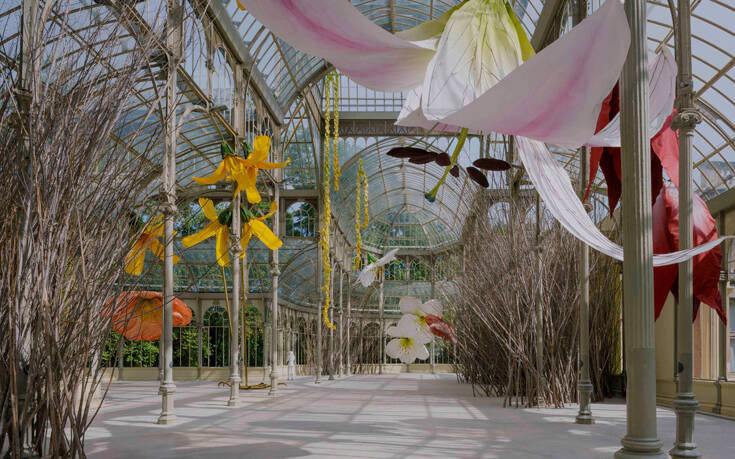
x=137, y=315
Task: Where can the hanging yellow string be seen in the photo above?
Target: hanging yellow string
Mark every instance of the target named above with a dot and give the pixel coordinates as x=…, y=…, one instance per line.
x=327, y=211
x=335, y=104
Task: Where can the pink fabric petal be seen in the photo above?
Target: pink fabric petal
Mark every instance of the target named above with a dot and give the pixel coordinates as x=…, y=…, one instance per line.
x=339, y=33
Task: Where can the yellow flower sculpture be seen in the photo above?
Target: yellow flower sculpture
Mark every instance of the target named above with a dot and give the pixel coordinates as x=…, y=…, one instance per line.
x=219, y=226
x=135, y=259
x=243, y=171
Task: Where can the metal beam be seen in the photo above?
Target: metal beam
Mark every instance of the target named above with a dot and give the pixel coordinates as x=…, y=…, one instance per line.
x=548, y=24
x=223, y=21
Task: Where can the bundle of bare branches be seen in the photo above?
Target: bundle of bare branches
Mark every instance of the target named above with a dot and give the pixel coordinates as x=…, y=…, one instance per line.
x=507, y=270
x=71, y=179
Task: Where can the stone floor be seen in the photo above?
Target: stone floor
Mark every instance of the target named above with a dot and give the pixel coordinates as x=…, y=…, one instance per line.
x=406, y=415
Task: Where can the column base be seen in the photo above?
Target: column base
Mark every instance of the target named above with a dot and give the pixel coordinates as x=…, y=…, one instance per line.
x=681, y=450
x=331, y=377
x=584, y=419
x=168, y=414
x=234, y=391
x=686, y=406
x=584, y=389
x=274, y=384
x=634, y=448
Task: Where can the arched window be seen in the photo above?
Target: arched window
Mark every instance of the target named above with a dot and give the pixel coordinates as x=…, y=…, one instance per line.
x=186, y=344
x=300, y=219
x=222, y=83
x=254, y=336
x=216, y=333
x=418, y=270
x=396, y=270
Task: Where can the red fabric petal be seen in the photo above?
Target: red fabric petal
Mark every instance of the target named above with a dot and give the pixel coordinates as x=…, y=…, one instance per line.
x=706, y=266
x=664, y=153
x=610, y=165
x=440, y=328
x=665, y=144
x=664, y=277
x=603, y=119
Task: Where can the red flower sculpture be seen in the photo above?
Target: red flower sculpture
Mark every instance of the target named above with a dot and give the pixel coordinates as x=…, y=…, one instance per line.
x=664, y=156
x=137, y=315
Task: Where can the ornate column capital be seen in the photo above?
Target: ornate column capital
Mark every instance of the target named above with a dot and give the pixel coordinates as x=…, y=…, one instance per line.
x=686, y=118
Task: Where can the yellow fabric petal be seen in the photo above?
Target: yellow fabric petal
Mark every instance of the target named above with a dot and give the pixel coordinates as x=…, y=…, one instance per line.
x=265, y=234
x=208, y=208
x=274, y=208
x=216, y=176
x=245, y=239
x=266, y=165
x=156, y=248
x=135, y=259
x=154, y=227
x=233, y=167
x=242, y=178
x=251, y=174
x=527, y=50
x=261, y=147
x=223, y=238
x=207, y=232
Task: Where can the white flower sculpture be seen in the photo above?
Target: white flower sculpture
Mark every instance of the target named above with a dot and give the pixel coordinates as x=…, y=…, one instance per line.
x=417, y=327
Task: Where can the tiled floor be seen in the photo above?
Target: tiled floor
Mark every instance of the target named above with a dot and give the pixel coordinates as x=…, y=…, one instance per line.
x=407, y=415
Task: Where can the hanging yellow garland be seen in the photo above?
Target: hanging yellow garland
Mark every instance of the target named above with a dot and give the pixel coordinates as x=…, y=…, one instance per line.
x=335, y=109
x=364, y=197
x=327, y=211
x=361, y=188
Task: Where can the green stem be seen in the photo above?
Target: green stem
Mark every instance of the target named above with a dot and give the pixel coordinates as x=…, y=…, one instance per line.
x=431, y=195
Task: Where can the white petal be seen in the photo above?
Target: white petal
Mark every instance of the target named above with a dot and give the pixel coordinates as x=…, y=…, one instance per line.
x=406, y=353
x=387, y=258
x=412, y=326
x=393, y=348
x=409, y=305
x=366, y=277
x=478, y=48
x=420, y=352
x=432, y=307
x=393, y=331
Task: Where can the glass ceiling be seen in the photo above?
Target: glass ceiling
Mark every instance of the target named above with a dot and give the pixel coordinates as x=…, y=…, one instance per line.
x=400, y=216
